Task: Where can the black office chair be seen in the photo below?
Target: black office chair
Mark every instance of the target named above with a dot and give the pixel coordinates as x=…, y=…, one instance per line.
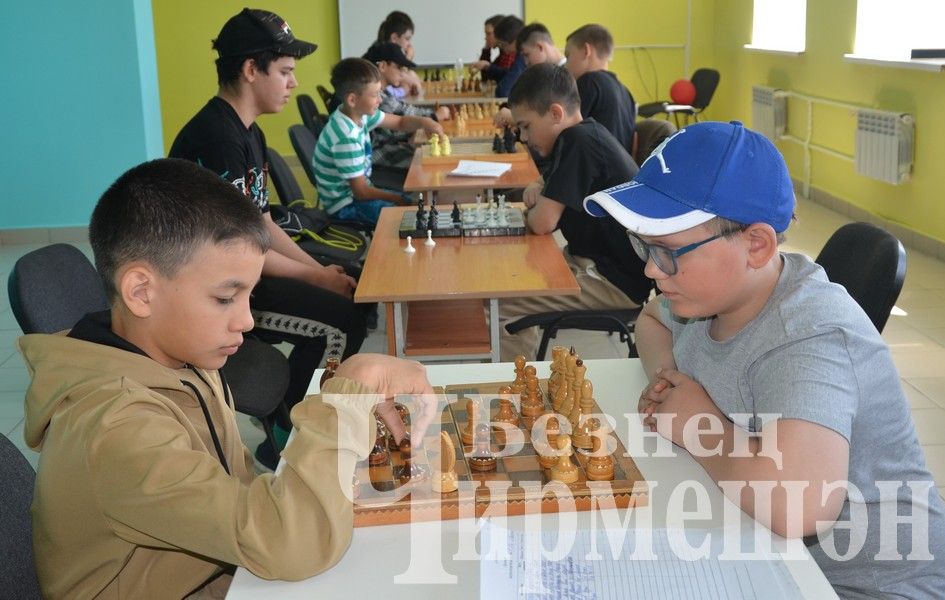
x=870, y=263
x=53, y=287
x=649, y=134
x=303, y=142
x=17, y=569
x=326, y=97
x=611, y=321
x=311, y=118
x=705, y=81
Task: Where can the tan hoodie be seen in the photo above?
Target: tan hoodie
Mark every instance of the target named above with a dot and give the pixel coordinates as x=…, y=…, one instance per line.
x=131, y=499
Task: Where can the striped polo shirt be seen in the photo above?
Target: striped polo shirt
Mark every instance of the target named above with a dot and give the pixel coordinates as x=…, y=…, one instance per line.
x=343, y=152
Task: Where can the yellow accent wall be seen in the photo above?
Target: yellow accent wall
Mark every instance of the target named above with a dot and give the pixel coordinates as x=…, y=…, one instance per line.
x=821, y=72
x=183, y=32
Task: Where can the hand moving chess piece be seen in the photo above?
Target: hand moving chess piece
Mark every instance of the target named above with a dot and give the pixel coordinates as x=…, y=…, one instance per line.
x=379, y=454
x=409, y=249
x=444, y=481
x=482, y=459
x=564, y=470
x=429, y=241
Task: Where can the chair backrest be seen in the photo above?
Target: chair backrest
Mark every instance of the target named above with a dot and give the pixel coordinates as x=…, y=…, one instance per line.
x=308, y=110
x=17, y=569
x=53, y=287
x=870, y=263
x=650, y=133
x=283, y=179
x=303, y=142
x=705, y=82
x=325, y=96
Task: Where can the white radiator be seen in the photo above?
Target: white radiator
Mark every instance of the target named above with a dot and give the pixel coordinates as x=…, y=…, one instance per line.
x=768, y=111
x=884, y=145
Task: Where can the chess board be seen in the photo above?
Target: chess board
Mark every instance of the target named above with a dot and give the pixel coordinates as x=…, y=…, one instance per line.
x=470, y=225
x=384, y=498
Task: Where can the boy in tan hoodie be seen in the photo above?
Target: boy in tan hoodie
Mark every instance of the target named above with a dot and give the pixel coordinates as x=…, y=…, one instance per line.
x=144, y=488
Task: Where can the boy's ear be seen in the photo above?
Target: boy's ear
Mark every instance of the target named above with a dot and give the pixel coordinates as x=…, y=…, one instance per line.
x=136, y=288
x=762, y=244
x=350, y=99
x=249, y=69
x=557, y=112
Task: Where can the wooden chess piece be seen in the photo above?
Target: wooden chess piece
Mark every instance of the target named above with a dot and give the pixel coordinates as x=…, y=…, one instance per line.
x=456, y=216
x=519, y=370
x=552, y=429
x=532, y=406
x=411, y=471
x=497, y=146
x=557, y=356
x=331, y=365
x=582, y=433
x=409, y=249
x=600, y=465
x=444, y=481
x=482, y=459
x=379, y=454
x=468, y=434
x=577, y=385
x=564, y=469
x=506, y=412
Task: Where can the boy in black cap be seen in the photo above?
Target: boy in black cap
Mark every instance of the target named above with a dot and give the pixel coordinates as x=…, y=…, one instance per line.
x=297, y=299
x=392, y=150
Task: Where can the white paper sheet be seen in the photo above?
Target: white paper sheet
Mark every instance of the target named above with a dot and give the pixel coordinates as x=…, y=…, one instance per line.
x=589, y=572
x=480, y=168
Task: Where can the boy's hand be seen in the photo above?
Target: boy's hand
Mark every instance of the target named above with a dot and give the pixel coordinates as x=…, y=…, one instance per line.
x=430, y=126
x=503, y=118
x=390, y=376
x=479, y=65
x=443, y=114
x=334, y=279
x=532, y=193
x=682, y=397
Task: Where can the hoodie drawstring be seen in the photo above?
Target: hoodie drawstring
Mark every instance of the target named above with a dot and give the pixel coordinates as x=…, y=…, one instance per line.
x=206, y=412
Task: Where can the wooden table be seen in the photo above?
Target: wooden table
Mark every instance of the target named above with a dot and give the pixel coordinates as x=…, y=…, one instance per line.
x=423, y=561
x=444, y=287
x=435, y=177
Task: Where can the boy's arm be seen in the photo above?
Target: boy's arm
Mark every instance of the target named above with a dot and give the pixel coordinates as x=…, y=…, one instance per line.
x=286, y=259
x=410, y=123
x=543, y=217
x=362, y=190
x=793, y=450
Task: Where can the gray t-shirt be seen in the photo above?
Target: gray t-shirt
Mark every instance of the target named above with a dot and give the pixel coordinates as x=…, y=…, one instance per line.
x=813, y=354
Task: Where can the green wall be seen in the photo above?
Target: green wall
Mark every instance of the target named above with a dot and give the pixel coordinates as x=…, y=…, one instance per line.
x=183, y=32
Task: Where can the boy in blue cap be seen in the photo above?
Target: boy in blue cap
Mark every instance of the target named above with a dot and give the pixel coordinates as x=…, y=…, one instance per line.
x=759, y=339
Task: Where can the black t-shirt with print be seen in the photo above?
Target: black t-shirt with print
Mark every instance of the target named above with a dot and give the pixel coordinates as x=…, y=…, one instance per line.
x=585, y=159
x=217, y=139
x=609, y=102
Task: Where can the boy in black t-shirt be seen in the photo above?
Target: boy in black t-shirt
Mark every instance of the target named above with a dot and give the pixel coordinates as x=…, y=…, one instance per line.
x=297, y=300
x=588, y=50
x=583, y=158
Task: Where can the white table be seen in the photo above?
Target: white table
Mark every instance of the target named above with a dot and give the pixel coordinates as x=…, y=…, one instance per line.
x=416, y=561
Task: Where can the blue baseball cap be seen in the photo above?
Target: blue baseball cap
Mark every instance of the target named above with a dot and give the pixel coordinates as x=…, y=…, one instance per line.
x=702, y=171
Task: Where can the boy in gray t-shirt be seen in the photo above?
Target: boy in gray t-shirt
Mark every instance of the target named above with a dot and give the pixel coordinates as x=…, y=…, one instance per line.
x=760, y=340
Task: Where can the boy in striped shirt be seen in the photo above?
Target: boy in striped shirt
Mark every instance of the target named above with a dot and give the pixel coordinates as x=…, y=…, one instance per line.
x=343, y=154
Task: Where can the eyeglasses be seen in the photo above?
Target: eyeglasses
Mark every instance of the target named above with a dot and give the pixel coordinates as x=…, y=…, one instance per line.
x=665, y=258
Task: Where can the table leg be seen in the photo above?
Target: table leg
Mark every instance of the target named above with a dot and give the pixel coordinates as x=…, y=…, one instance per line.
x=391, y=341
x=494, y=328
x=399, y=337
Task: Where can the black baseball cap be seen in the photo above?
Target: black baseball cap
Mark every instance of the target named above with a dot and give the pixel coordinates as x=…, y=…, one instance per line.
x=388, y=52
x=254, y=30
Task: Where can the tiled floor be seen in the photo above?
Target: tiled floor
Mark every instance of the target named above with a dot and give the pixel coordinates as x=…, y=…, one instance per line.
x=915, y=333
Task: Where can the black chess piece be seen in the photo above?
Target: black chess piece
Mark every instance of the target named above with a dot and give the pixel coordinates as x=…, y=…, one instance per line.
x=497, y=145
x=420, y=226
x=432, y=217
x=455, y=215
x=509, y=140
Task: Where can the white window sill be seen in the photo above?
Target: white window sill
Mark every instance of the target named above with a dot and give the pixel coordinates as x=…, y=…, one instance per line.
x=920, y=64
x=779, y=51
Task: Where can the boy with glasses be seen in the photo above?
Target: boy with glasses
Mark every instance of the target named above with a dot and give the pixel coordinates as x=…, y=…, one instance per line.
x=759, y=340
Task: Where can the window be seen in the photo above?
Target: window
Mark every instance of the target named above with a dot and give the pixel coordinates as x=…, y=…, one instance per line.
x=779, y=25
x=891, y=30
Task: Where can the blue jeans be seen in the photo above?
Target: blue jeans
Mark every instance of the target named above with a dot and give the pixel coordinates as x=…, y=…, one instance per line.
x=367, y=211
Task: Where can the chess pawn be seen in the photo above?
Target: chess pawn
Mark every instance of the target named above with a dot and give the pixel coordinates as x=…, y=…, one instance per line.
x=582, y=434
x=552, y=429
x=379, y=454
x=519, y=362
x=564, y=470
x=444, y=480
x=532, y=406
x=411, y=471
x=435, y=147
x=429, y=241
x=599, y=468
x=482, y=459
x=472, y=418
x=506, y=413
x=331, y=365
x=409, y=249
x=447, y=149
